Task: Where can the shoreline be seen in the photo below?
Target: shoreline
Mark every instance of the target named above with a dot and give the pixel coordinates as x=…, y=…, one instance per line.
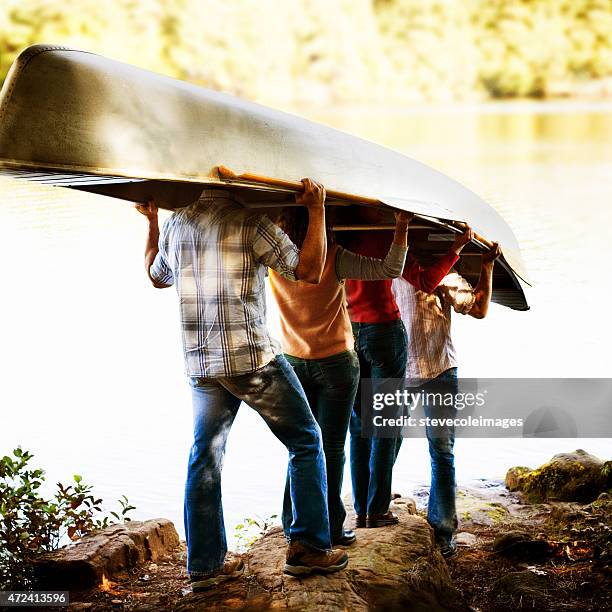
x=512, y=554
x=540, y=540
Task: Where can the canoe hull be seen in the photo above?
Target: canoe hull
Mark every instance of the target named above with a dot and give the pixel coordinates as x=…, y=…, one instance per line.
x=75, y=112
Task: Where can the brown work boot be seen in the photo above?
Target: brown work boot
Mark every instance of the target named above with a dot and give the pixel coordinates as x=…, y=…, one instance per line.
x=230, y=570
x=303, y=560
x=381, y=520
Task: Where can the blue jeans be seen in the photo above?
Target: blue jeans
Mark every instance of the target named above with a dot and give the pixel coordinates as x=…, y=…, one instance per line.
x=441, y=509
x=276, y=394
x=330, y=385
x=382, y=351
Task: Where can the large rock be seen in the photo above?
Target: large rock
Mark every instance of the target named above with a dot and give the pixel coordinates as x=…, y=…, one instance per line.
x=576, y=476
x=390, y=568
x=514, y=475
x=109, y=552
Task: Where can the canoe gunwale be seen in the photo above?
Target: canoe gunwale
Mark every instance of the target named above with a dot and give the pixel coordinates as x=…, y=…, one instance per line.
x=431, y=221
x=103, y=171
x=215, y=181
x=212, y=181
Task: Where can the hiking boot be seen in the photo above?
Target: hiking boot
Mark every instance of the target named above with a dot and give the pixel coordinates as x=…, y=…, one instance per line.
x=347, y=538
x=360, y=521
x=303, y=560
x=230, y=570
x=381, y=520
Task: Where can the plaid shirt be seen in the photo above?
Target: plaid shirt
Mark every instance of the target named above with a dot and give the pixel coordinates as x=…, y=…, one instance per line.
x=216, y=253
x=427, y=317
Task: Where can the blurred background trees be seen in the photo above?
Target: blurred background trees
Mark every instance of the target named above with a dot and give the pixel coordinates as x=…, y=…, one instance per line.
x=291, y=52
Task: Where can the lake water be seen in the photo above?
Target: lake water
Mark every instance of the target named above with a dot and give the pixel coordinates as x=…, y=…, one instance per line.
x=90, y=358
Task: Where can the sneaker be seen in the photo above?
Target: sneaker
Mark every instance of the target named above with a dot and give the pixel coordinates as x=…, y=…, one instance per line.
x=229, y=571
x=303, y=560
x=360, y=521
x=381, y=520
x=347, y=538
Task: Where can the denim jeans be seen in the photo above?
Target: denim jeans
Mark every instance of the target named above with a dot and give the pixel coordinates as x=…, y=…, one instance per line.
x=277, y=395
x=441, y=509
x=382, y=351
x=330, y=385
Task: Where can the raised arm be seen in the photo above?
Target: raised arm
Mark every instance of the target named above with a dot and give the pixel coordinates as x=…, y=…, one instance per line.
x=314, y=247
x=354, y=266
x=159, y=274
x=429, y=277
x=484, y=288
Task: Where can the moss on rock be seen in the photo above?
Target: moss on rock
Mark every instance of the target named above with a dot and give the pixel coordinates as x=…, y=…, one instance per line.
x=577, y=476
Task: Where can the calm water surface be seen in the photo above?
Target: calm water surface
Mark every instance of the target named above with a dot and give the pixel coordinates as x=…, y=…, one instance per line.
x=91, y=365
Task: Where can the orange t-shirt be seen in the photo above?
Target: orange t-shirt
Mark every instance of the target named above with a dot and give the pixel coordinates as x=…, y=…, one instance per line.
x=314, y=318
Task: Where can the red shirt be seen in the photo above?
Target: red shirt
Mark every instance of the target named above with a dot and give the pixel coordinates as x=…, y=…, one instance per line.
x=373, y=301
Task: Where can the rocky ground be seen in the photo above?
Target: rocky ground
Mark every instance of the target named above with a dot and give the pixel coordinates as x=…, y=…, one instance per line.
x=395, y=568
x=524, y=549
x=542, y=556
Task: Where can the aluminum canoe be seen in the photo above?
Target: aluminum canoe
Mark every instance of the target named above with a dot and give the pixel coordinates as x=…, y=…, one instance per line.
x=79, y=120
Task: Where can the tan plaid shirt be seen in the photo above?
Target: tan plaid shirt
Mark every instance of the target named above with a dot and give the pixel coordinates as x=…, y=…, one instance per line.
x=216, y=253
x=427, y=317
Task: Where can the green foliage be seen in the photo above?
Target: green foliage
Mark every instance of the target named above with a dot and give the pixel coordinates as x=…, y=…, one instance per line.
x=250, y=530
x=301, y=51
x=31, y=523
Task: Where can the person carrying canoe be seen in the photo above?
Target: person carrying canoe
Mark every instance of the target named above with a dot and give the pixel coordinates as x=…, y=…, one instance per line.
x=317, y=341
x=432, y=368
x=216, y=253
x=381, y=345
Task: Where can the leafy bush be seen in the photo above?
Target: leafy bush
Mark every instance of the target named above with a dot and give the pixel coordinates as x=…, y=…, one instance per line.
x=31, y=524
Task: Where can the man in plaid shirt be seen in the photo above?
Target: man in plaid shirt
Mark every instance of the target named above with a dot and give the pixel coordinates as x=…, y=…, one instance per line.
x=215, y=252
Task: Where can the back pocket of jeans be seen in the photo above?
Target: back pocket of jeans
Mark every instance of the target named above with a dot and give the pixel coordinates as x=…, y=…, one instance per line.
x=341, y=373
